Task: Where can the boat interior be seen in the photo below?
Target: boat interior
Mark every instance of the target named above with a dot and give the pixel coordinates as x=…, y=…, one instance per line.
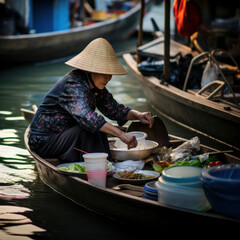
x=213, y=75
x=135, y=189
x=92, y=15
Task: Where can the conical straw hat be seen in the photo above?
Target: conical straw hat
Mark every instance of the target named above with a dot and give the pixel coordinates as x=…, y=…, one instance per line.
x=98, y=57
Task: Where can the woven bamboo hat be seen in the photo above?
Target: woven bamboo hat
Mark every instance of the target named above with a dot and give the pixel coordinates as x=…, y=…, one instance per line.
x=98, y=57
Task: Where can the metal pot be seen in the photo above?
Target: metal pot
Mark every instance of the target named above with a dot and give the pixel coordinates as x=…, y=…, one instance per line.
x=133, y=154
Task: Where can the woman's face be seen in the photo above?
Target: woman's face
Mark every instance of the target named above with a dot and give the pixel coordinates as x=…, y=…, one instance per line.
x=101, y=80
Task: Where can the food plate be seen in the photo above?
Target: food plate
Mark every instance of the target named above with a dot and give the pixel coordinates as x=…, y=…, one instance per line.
x=155, y=175
x=110, y=168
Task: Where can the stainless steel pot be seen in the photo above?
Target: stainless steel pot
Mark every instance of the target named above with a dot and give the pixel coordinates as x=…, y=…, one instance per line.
x=132, y=154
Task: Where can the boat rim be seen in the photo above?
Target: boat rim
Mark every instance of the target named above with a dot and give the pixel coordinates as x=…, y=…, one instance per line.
x=73, y=30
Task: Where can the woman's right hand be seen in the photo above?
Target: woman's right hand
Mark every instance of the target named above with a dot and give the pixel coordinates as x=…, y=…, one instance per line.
x=129, y=139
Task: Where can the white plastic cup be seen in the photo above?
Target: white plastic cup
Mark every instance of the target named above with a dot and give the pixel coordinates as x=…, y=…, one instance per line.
x=141, y=137
x=95, y=161
x=96, y=168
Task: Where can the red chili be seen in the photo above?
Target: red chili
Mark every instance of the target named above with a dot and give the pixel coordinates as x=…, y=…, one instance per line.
x=211, y=164
x=218, y=163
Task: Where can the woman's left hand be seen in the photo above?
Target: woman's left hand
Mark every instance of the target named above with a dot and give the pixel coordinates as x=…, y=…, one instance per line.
x=146, y=118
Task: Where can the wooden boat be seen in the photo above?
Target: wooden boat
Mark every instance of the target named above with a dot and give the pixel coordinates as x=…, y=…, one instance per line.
x=21, y=49
x=116, y=203
x=210, y=115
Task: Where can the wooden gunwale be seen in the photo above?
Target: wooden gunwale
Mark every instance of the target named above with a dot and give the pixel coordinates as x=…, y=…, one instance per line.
x=39, y=47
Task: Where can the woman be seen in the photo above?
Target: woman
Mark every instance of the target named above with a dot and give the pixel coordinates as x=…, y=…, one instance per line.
x=67, y=119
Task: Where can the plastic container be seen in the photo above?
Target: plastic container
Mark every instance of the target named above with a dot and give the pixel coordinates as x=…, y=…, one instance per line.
x=97, y=177
x=222, y=188
x=150, y=191
x=96, y=168
x=180, y=186
x=140, y=136
x=95, y=161
x=147, y=196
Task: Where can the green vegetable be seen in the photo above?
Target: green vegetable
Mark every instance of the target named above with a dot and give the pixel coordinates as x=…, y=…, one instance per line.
x=109, y=166
x=142, y=176
x=71, y=168
x=75, y=167
x=196, y=162
x=157, y=167
x=212, y=159
x=202, y=161
x=63, y=168
x=79, y=167
x=184, y=162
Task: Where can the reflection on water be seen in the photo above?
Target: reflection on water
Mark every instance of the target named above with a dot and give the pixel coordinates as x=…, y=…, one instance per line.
x=17, y=171
x=16, y=191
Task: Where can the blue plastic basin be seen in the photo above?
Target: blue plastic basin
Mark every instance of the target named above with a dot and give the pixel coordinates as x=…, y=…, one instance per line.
x=221, y=185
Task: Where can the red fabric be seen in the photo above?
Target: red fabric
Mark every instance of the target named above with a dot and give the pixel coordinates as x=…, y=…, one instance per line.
x=187, y=17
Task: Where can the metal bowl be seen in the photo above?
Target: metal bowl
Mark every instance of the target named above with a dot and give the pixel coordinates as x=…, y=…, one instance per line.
x=133, y=154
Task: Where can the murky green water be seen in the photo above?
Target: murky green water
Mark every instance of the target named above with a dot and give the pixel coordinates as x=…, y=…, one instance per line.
x=40, y=209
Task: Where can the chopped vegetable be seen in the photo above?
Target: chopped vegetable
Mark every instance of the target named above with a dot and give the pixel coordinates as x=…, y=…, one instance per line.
x=109, y=166
x=212, y=163
x=202, y=161
x=63, y=168
x=198, y=162
x=80, y=168
x=157, y=167
x=75, y=167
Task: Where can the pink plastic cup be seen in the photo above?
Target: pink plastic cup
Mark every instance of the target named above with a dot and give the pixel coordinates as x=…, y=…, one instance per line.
x=96, y=168
x=97, y=177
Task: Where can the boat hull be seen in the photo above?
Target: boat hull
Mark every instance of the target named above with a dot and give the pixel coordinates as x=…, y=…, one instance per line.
x=189, y=110
x=117, y=205
x=21, y=49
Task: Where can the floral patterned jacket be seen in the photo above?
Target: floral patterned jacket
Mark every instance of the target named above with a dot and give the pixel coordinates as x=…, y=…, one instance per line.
x=71, y=102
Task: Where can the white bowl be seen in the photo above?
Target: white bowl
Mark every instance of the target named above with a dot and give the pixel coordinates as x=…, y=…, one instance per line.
x=180, y=186
x=140, y=136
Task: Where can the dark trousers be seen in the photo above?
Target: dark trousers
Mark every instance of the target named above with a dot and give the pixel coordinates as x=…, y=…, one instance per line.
x=62, y=145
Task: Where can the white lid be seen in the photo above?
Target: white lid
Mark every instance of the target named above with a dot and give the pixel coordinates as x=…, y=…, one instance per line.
x=95, y=155
x=182, y=174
